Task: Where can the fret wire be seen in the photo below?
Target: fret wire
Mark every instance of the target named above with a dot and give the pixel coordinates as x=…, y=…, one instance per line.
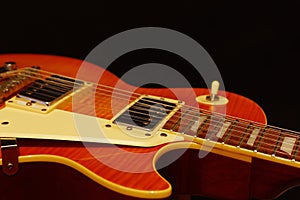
x=260, y=139
x=250, y=125
x=212, y=133
x=265, y=144
x=190, y=124
x=230, y=130
x=297, y=149
x=244, y=135
x=277, y=143
x=206, y=123
x=202, y=125
x=178, y=121
x=248, y=128
x=259, y=136
x=176, y=124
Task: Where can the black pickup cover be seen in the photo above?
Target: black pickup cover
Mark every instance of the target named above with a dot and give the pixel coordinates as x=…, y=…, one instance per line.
x=146, y=113
x=49, y=89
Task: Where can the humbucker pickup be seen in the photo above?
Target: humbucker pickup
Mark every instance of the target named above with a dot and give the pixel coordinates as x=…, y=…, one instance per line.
x=147, y=113
x=50, y=90
x=44, y=93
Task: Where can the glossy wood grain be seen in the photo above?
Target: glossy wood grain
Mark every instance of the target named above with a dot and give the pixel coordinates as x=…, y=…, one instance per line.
x=123, y=169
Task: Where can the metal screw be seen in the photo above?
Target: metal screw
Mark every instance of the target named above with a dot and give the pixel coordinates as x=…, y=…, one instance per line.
x=10, y=166
x=10, y=65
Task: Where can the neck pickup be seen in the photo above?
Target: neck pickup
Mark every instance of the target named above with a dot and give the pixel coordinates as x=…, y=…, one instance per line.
x=147, y=113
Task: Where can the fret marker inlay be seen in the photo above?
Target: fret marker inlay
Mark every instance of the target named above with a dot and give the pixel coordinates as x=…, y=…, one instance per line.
x=253, y=136
x=288, y=144
x=222, y=131
x=198, y=123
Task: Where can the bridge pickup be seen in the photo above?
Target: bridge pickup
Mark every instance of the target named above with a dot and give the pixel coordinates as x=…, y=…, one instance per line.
x=147, y=113
x=50, y=90
x=44, y=94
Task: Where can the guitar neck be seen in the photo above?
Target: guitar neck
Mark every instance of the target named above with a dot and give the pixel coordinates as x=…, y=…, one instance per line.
x=48, y=91
x=250, y=137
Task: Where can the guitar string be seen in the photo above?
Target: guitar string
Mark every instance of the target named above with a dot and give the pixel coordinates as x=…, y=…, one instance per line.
x=67, y=77
x=222, y=119
x=116, y=89
x=48, y=75
x=234, y=139
x=148, y=100
x=237, y=138
x=100, y=89
x=134, y=94
x=126, y=92
x=216, y=128
x=34, y=76
x=38, y=72
x=243, y=131
x=276, y=140
x=63, y=85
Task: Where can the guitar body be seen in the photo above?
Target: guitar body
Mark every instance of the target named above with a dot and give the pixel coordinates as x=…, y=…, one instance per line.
x=62, y=169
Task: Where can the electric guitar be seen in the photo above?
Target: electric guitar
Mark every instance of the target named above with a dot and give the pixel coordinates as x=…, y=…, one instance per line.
x=68, y=135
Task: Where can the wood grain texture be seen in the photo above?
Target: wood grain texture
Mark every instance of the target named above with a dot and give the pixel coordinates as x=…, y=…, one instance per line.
x=124, y=169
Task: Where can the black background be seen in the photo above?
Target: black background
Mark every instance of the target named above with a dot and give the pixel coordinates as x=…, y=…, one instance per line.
x=254, y=44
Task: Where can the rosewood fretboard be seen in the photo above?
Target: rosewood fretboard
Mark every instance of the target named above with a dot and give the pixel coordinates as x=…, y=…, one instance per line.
x=237, y=132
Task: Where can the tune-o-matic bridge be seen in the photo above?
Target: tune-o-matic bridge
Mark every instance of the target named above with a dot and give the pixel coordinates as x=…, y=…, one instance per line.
x=11, y=81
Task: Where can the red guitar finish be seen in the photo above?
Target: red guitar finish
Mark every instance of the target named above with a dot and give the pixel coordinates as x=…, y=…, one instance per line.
x=50, y=169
